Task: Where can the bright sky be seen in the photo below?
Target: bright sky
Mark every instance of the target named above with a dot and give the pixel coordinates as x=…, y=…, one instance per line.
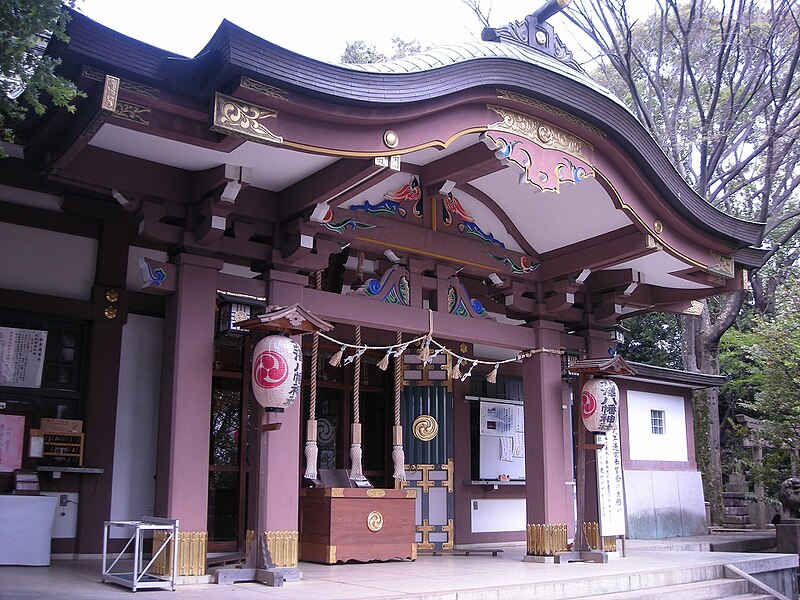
x=316, y=28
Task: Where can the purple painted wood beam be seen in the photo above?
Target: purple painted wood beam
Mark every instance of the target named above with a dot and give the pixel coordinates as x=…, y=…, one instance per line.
x=286, y=289
x=338, y=181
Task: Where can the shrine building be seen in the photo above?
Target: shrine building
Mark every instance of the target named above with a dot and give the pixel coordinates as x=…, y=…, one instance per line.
x=444, y=236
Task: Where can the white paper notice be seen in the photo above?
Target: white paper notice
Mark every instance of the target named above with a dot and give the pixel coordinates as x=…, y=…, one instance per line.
x=506, y=446
x=21, y=357
x=519, y=445
x=497, y=419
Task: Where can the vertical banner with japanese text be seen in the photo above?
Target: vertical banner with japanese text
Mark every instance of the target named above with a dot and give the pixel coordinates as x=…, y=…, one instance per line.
x=610, y=490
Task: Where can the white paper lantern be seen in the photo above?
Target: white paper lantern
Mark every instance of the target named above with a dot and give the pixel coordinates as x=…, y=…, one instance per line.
x=277, y=371
x=599, y=400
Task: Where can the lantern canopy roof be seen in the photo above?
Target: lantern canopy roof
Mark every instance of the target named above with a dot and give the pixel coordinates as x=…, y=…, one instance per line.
x=611, y=365
x=292, y=320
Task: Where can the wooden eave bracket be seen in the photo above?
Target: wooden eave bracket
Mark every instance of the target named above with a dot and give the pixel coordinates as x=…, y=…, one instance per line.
x=223, y=186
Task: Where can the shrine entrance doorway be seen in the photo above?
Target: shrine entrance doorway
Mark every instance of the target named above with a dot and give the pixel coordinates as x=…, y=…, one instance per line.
x=427, y=414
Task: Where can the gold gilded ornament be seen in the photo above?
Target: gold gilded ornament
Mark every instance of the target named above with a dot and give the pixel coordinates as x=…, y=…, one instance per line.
x=425, y=428
x=374, y=521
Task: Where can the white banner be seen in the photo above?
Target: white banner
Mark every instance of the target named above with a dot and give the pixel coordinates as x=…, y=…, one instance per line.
x=610, y=489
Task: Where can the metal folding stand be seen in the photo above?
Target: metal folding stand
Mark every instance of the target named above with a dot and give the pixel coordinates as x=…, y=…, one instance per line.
x=139, y=578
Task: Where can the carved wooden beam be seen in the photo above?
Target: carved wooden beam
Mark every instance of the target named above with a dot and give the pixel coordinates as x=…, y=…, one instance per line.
x=596, y=253
x=462, y=166
x=336, y=182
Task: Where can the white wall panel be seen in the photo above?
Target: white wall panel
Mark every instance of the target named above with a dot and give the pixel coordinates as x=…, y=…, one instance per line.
x=46, y=262
x=501, y=514
x=133, y=487
x=644, y=444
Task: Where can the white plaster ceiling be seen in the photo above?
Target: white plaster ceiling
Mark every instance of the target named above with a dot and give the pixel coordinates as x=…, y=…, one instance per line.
x=655, y=269
x=273, y=168
x=551, y=220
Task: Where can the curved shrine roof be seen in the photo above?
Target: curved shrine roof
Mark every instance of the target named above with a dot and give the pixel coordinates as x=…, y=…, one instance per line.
x=430, y=75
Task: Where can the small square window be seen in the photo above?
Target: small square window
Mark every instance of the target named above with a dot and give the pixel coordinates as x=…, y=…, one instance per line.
x=657, y=422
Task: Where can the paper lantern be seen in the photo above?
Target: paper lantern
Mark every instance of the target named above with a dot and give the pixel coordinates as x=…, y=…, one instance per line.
x=599, y=399
x=277, y=371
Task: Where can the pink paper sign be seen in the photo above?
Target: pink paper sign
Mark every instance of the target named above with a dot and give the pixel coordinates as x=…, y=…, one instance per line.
x=12, y=430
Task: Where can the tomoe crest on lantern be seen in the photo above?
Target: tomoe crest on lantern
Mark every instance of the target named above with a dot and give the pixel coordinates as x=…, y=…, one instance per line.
x=599, y=400
x=277, y=371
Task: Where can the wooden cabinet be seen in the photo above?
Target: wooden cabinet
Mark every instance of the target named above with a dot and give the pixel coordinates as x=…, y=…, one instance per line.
x=342, y=524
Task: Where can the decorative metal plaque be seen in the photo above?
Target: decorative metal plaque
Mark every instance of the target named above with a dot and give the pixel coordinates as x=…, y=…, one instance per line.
x=237, y=117
x=425, y=428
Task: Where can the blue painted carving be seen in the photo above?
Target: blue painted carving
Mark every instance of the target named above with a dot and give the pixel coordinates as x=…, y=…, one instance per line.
x=524, y=267
x=393, y=287
x=459, y=302
x=351, y=224
x=451, y=206
x=392, y=201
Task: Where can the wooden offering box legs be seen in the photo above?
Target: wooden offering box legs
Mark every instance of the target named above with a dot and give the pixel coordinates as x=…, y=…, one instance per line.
x=342, y=524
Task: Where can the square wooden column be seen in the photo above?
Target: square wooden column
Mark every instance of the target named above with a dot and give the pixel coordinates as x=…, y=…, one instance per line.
x=547, y=439
x=279, y=467
x=185, y=415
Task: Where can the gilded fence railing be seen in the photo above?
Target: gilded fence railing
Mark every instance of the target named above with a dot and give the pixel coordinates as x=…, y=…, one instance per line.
x=549, y=539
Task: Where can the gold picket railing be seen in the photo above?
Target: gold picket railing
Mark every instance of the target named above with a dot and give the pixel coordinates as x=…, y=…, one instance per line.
x=282, y=545
x=547, y=540
x=592, y=533
x=191, y=553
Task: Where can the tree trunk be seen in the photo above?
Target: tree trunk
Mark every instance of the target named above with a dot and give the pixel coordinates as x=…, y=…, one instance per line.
x=700, y=344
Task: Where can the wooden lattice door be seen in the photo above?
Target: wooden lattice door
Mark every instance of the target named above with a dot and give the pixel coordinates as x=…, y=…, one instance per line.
x=427, y=440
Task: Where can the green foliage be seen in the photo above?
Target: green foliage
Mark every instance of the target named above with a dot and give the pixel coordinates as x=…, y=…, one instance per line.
x=736, y=363
x=25, y=74
x=403, y=48
x=775, y=351
x=359, y=52
x=653, y=338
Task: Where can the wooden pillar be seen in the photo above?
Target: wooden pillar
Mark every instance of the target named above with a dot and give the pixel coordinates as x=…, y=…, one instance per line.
x=598, y=343
x=279, y=480
x=109, y=313
x=279, y=464
x=184, y=419
x=547, y=441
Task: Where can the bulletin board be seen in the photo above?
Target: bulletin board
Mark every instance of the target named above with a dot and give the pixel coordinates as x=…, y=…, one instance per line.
x=501, y=440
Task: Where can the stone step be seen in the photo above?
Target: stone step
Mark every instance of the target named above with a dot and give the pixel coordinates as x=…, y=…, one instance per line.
x=737, y=487
x=735, y=502
x=714, y=589
x=736, y=511
x=753, y=596
x=735, y=495
x=735, y=520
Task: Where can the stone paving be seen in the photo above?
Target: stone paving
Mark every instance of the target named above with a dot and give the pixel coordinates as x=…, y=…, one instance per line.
x=447, y=577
